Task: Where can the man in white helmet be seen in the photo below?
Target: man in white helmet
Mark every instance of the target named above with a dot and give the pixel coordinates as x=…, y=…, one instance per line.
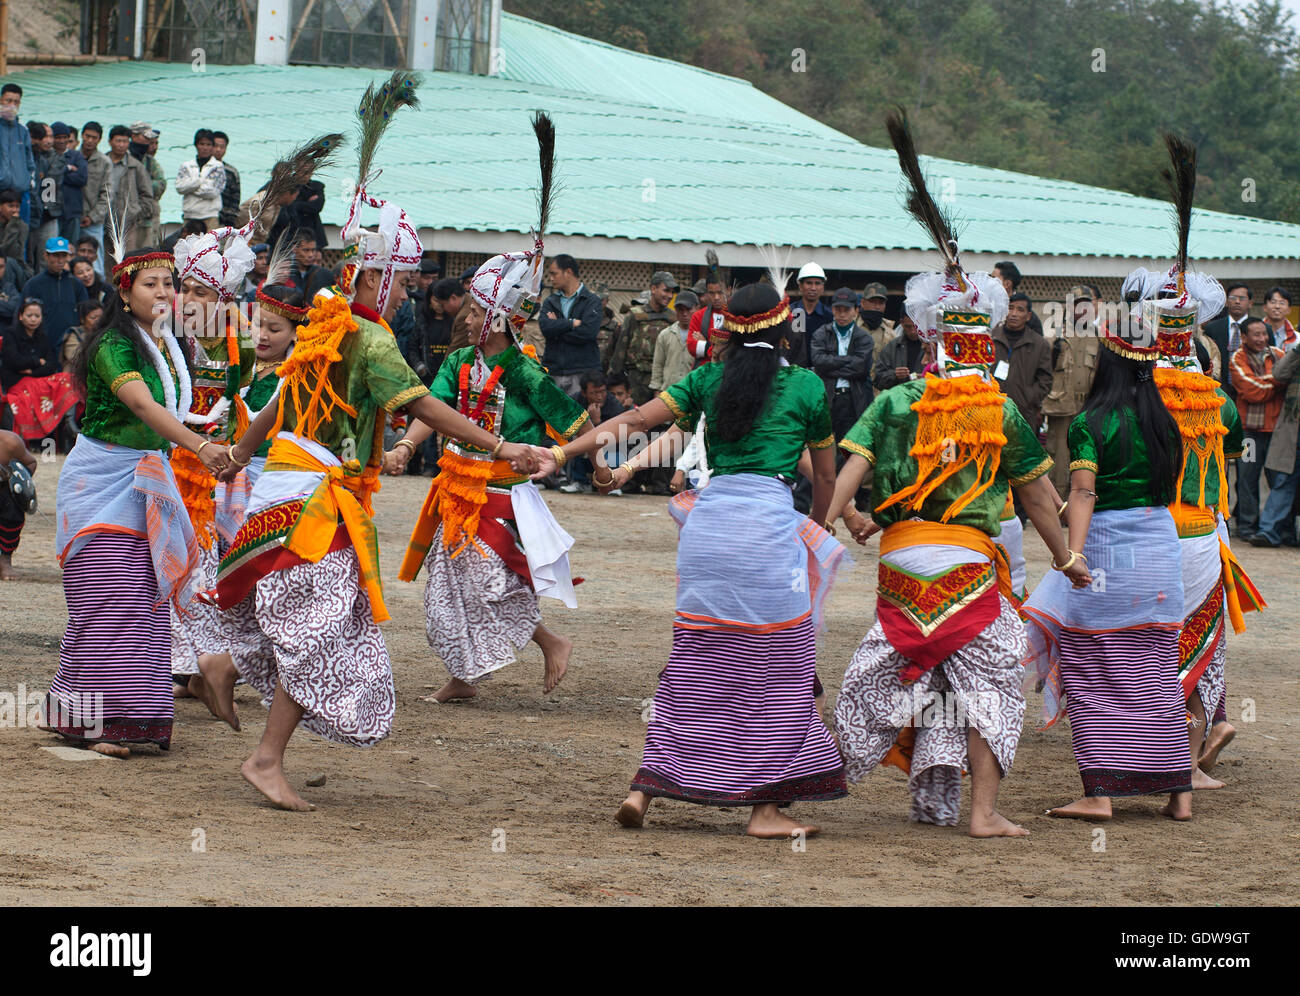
x=809, y=312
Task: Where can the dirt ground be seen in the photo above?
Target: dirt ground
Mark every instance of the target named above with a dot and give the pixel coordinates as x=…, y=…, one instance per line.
x=510, y=798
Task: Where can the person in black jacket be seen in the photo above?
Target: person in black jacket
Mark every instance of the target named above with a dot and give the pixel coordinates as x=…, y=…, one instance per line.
x=841, y=352
x=902, y=358
x=301, y=216
x=570, y=322
x=1227, y=330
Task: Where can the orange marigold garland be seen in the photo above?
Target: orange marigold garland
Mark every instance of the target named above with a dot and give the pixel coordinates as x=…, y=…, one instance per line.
x=959, y=424
x=1193, y=400
x=305, y=374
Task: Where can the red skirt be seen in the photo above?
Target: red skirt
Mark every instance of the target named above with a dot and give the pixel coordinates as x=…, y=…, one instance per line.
x=39, y=403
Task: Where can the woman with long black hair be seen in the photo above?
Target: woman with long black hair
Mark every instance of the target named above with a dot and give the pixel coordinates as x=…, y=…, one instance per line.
x=1107, y=654
x=734, y=721
x=124, y=541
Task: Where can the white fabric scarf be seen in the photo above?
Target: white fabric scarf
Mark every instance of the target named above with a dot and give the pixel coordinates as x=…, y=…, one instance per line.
x=177, y=407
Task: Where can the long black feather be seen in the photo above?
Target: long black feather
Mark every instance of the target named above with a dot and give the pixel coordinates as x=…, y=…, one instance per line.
x=920, y=205
x=544, y=129
x=375, y=113
x=297, y=167
x=1181, y=180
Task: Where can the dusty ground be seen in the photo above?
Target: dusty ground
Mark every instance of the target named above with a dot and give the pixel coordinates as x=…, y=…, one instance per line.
x=415, y=819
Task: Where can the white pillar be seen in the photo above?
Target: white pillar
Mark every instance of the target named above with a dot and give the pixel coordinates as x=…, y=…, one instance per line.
x=272, y=47
x=498, y=60
x=421, y=47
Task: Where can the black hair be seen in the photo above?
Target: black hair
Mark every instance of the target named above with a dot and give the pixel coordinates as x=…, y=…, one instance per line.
x=118, y=130
x=94, y=126
x=1121, y=386
x=616, y=380
x=10, y=197
x=305, y=235
x=592, y=377
x=747, y=374
x=446, y=289
x=1233, y=287
x=1020, y=296
x=36, y=129
x=566, y=262
x=84, y=308
x=88, y=238
x=1010, y=271
x=23, y=305
x=1251, y=320
x=201, y=134
x=119, y=319
x=195, y=226
x=1286, y=294
x=11, y=88
x=220, y=135
x=285, y=294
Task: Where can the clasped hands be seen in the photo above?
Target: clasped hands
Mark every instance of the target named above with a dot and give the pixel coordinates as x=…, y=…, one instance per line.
x=523, y=459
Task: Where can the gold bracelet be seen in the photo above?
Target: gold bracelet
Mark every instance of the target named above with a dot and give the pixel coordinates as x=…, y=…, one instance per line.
x=560, y=458
x=631, y=471
x=235, y=460
x=602, y=484
x=497, y=448
x=199, y=451
x=1069, y=563
x=405, y=442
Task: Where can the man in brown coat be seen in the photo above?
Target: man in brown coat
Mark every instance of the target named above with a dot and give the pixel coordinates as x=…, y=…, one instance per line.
x=1074, y=358
x=1024, y=361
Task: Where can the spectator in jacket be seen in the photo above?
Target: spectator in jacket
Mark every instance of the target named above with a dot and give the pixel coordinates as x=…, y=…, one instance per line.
x=230, y=192
x=808, y=313
x=261, y=260
x=10, y=293
x=1226, y=330
x=1009, y=274
x=570, y=322
x=1277, y=305
x=130, y=190
x=1024, y=361
x=432, y=339
x=301, y=216
x=1259, y=402
x=1282, y=466
x=841, y=352
x=94, y=196
x=58, y=291
x=143, y=142
x=672, y=361
x=871, y=315
x=17, y=164
x=75, y=174
x=1074, y=358
x=90, y=315
x=707, y=321
x=903, y=358
x=46, y=209
x=304, y=261
x=14, y=232
x=200, y=182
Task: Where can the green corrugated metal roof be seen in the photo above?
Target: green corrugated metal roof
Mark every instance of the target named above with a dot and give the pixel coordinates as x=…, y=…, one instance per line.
x=648, y=149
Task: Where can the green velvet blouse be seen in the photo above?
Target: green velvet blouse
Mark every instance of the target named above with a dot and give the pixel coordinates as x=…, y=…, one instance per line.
x=259, y=395
x=117, y=361
x=1122, y=482
x=795, y=416
x=885, y=435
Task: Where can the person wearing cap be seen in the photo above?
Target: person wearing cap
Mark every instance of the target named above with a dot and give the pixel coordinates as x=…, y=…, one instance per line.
x=871, y=315
x=57, y=289
x=671, y=360
x=200, y=182
x=841, y=353
x=1074, y=358
x=634, y=351
x=807, y=314
x=143, y=138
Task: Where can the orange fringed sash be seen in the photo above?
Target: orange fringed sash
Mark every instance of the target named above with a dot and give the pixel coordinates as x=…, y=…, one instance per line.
x=959, y=424
x=306, y=373
x=1194, y=402
x=195, y=485
x=1239, y=592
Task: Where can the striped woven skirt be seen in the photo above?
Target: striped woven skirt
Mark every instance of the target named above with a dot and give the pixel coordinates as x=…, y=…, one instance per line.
x=114, y=679
x=733, y=720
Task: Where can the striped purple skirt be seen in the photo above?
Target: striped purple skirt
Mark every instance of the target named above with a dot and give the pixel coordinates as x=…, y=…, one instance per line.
x=1128, y=723
x=733, y=721
x=114, y=679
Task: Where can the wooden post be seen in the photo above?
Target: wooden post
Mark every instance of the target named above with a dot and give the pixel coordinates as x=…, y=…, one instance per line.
x=4, y=37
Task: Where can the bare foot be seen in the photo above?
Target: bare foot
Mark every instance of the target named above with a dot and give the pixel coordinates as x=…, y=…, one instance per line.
x=111, y=750
x=1203, y=782
x=198, y=689
x=1090, y=807
x=632, y=813
x=268, y=778
x=454, y=689
x=6, y=567
x=994, y=825
x=557, y=662
x=769, y=823
x=182, y=691
x=217, y=677
x=1221, y=735
x=1180, y=806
